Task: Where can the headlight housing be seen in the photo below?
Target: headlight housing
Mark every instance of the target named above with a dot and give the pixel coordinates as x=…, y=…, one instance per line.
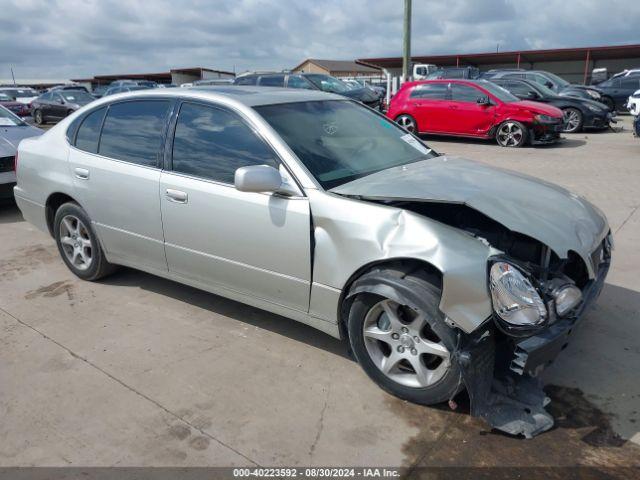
x=541, y=118
x=566, y=299
x=515, y=300
x=595, y=109
x=593, y=94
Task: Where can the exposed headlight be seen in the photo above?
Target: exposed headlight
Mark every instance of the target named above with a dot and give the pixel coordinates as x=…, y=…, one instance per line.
x=514, y=298
x=594, y=108
x=546, y=119
x=567, y=298
x=593, y=94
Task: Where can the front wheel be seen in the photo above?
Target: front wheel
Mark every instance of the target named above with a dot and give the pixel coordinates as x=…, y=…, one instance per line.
x=407, y=122
x=406, y=349
x=511, y=134
x=572, y=120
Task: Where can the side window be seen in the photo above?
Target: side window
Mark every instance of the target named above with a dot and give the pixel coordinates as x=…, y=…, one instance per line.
x=213, y=143
x=464, y=93
x=58, y=98
x=515, y=75
x=272, y=81
x=133, y=131
x=249, y=80
x=89, y=131
x=430, y=91
x=45, y=96
x=518, y=88
x=629, y=83
x=298, y=81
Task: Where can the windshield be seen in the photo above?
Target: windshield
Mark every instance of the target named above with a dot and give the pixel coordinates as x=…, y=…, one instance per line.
x=327, y=83
x=497, y=91
x=340, y=141
x=5, y=98
x=558, y=80
x=76, y=96
x=8, y=119
x=545, y=91
x=19, y=92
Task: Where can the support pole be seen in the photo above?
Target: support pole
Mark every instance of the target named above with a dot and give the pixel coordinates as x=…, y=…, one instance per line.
x=586, y=67
x=406, y=41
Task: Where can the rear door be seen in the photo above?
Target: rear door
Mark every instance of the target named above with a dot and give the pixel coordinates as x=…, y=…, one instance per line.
x=115, y=165
x=254, y=245
x=429, y=106
x=466, y=116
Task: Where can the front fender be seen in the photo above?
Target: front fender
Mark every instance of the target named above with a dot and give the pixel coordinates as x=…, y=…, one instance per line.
x=350, y=234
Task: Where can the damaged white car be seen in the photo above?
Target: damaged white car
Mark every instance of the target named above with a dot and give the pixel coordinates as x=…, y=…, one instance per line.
x=442, y=274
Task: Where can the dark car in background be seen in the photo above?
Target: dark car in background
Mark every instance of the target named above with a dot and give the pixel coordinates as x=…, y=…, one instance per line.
x=99, y=91
x=579, y=113
x=57, y=104
x=12, y=130
x=551, y=81
x=124, y=88
x=312, y=81
x=617, y=91
x=20, y=109
x=454, y=72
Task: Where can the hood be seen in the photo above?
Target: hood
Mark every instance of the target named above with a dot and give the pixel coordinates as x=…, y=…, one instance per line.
x=10, y=138
x=538, y=107
x=548, y=213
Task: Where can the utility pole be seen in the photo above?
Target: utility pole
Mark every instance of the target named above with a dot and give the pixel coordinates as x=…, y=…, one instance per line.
x=406, y=41
x=13, y=77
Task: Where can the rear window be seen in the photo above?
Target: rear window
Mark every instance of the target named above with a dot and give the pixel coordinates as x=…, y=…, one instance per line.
x=430, y=91
x=133, y=131
x=245, y=80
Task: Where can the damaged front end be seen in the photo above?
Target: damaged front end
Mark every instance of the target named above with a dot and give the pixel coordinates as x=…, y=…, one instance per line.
x=537, y=300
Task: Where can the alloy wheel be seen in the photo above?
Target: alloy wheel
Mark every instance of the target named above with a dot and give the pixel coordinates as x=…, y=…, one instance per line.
x=76, y=242
x=510, y=134
x=407, y=122
x=572, y=120
x=38, y=117
x=402, y=345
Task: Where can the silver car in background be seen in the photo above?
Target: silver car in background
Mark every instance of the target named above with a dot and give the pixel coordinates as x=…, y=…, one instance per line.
x=441, y=273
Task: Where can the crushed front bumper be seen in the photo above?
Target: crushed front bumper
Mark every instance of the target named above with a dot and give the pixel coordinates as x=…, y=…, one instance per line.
x=533, y=353
x=546, y=133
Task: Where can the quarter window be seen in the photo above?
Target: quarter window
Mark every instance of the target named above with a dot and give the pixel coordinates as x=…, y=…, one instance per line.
x=213, y=143
x=89, y=131
x=133, y=131
x=430, y=91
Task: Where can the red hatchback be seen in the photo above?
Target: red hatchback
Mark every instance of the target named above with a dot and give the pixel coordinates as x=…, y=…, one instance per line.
x=474, y=108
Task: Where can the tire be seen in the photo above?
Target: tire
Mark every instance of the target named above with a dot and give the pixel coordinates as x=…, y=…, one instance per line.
x=38, y=117
x=407, y=122
x=512, y=134
x=440, y=378
x=608, y=101
x=78, y=244
x=573, y=120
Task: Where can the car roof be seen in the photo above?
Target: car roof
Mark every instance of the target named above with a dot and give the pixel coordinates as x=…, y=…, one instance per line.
x=250, y=96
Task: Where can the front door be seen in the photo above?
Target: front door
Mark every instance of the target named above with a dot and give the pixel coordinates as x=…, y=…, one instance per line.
x=231, y=242
x=466, y=115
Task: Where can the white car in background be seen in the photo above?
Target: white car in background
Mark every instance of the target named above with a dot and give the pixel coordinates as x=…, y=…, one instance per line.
x=633, y=104
x=19, y=94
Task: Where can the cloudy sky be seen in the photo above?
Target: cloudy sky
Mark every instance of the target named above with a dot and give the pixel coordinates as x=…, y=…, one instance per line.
x=76, y=38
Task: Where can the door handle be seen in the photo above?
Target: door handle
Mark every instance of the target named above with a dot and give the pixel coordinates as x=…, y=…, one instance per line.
x=81, y=173
x=176, y=196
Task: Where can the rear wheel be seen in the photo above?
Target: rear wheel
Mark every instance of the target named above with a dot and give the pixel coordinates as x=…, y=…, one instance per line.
x=511, y=134
x=406, y=349
x=572, y=120
x=38, y=117
x=407, y=122
x=78, y=244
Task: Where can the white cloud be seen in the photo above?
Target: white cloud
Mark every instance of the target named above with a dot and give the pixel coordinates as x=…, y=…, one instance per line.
x=66, y=38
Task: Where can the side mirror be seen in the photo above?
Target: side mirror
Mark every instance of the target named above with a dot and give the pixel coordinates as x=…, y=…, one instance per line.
x=60, y=101
x=261, y=178
x=483, y=101
x=548, y=84
x=532, y=95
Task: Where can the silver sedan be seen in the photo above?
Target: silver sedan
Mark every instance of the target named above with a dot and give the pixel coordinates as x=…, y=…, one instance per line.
x=441, y=273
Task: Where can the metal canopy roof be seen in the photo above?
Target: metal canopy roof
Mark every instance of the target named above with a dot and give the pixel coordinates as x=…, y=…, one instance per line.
x=550, y=55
